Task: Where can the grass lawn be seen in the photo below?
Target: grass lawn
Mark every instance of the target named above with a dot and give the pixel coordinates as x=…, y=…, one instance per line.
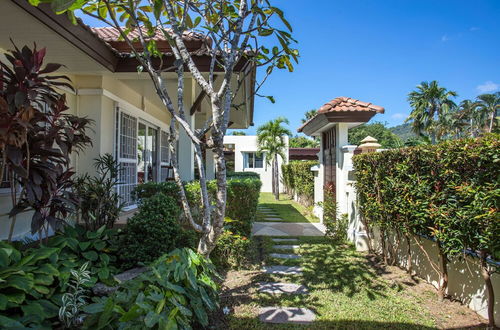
x=347, y=291
x=285, y=208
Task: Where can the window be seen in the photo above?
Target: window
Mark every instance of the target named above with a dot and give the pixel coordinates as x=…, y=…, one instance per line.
x=166, y=171
x=127, y=156
x=253, y=160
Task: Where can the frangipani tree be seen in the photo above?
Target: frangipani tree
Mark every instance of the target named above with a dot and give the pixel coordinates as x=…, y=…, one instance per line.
x=254, y=30
x=271, y=140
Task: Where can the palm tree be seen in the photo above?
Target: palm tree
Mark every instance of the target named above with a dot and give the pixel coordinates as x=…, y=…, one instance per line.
x=468, y=115
x=488, y=105
x=308, y=115
x=430, y=102
x=271, y=140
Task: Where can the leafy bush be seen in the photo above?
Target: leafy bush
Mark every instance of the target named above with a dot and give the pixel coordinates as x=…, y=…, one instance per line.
x=243, y=175
x=175, y=293
x=336, y=227
x=152, y=231
x=99, y=203
x=149, y=189
x=231, y=251
x=299, y=179
x=27, y=279
x=447, y=192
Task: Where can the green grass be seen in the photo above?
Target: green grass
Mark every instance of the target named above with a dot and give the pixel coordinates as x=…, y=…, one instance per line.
x=285, y=208
x=345, y=292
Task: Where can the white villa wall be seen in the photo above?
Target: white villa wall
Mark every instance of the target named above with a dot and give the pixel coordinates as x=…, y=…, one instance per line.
x=249, y=144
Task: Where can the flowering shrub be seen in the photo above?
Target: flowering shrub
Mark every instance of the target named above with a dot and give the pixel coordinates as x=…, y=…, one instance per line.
x=231, y=251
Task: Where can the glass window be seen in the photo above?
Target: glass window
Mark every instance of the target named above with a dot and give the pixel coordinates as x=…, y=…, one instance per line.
x=253, y=160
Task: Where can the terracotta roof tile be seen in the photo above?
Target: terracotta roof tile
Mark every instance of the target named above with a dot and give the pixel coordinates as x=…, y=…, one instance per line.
x=349, y=104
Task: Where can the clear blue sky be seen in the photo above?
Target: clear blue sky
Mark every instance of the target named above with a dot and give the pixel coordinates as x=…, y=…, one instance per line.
x=378, y=51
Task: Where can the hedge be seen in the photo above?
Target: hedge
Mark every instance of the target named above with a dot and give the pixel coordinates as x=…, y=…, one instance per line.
x=299, y=179
x=250, y=174
x=449, y=193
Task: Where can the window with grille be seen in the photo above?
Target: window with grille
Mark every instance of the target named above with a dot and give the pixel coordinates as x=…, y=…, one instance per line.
x=127, y=156
x=166, y=171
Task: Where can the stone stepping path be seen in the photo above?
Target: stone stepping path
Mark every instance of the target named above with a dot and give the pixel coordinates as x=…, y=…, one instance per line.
x=273, y=219
x=283, y=270
x=285, y=239
x=286, y=247
x=279, y=288
x=286, y=315
x=284, y=256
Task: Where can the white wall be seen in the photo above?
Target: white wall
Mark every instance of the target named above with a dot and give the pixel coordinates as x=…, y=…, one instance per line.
x=249, y=144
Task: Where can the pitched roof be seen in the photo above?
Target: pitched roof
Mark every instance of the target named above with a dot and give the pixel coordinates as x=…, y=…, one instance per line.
x=195, y=42
x=349, y=104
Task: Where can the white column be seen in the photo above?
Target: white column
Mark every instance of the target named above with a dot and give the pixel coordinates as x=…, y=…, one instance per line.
x=341, y=140
x=210, y=165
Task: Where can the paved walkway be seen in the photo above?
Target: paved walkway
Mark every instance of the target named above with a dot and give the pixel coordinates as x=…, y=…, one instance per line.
x=288, y=229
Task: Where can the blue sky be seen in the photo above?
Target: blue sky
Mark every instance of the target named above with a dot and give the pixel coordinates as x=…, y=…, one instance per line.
x=378, y=51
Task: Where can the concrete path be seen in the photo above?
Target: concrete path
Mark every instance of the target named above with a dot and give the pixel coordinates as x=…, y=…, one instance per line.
x=288, y=229
x=279, y=288
x=286, y=315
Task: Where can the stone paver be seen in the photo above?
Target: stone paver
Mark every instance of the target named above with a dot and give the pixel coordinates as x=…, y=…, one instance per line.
x=285, y=239
x=286, y=315
x=278, y=288
x=288, y=229
x=286, y=247
x=283, y=270
x=273, y=219
x=284, y=256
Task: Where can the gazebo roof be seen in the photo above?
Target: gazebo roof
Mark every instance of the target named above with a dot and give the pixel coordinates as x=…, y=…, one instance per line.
x=341, y=110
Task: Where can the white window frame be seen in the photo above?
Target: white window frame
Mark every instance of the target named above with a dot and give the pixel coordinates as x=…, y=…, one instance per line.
x=246, y=156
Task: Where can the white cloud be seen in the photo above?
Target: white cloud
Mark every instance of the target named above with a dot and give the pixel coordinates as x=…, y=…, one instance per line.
x=398, y=115
x=488, y=86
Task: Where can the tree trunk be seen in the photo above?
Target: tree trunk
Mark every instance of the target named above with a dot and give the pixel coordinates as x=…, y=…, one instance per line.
x=492, y=120
x=276, y=179
x=443, y=276
x=273, y=186
x=384, y=253
x=489, y=288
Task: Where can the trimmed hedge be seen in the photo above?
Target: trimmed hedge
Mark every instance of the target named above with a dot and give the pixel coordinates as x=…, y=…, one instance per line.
x=254, y=175
x=449, y=193
x=299, y=179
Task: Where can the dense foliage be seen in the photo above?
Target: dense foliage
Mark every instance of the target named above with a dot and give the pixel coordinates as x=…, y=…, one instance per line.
x=448, y=192
x=232, y=249
x=299, y=179
x=299, y=141
x=153, y=231
x=178, y=291
x=37, y=137
x=336, y=225
x=379, y=131
x=33, y=280
x=248, y=174
x=99, y=203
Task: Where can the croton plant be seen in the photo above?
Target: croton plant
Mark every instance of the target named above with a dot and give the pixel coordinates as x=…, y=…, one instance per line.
x=37, y=137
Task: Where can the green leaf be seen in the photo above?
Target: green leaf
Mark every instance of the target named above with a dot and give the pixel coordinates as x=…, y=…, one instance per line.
x=104, y=258
x=15, y=297
x=8, y=323
x=90, y=255
x=60, y=6
x=20, y=282
x=3, y=302
x=99, y=245
x=103, y=273
x=5, y=253
x=84, y=245
x=47, y=269
x=133, y=313
x=151, y=319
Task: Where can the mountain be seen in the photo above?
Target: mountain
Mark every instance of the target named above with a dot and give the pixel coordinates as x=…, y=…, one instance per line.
x=403, y=131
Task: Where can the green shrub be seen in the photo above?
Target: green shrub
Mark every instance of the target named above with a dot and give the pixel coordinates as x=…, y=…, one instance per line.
x=253, y=175
x=99, y=203
x=149, y=189
x=231, y=251
x=176, y=293
x=152, y=231
x=299, y=179
x=448, y=192
x=336, y=227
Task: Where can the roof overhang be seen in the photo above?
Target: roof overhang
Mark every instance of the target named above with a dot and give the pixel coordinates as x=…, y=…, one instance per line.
x=321, y=120
x=82, y=37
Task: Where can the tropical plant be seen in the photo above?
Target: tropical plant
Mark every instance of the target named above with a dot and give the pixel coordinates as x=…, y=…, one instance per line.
x=488, y=106
x=26, y=287
x=177, y=292
x=99, y=203
x=231, y=251
x=72, y=302
x=232, y=32
x=430, y=102
x=154, y=230
x=299, y=141
x=379, y=131
x=309, y=115
x=37, y=138
x=271, y=141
